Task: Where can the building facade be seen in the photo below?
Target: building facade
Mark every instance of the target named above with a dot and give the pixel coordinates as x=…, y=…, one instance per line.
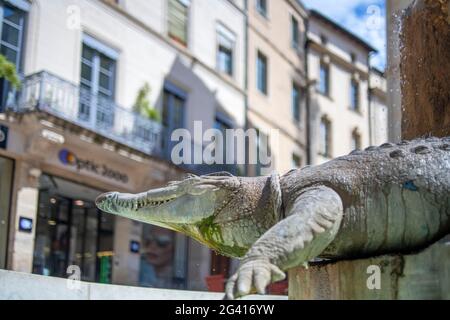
x=277, y=82
x=339, y=72
x=76, y=129
x=106, y=82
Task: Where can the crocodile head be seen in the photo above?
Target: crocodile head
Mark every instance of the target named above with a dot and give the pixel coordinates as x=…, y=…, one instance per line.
x=225, y=212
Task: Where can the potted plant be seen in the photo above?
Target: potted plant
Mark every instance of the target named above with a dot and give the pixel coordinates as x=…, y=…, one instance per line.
x=8, y=72
x=142, y=105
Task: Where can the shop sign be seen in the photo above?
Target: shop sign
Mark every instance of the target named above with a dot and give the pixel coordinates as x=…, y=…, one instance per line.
x=3, y=137
x=69, y=158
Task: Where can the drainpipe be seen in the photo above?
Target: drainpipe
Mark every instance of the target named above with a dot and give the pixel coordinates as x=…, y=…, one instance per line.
x=246, y=27
x=308, y=98
x=369, y=99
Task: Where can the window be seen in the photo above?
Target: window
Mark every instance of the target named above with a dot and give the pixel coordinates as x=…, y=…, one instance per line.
x=261, y=67
x=296, y=161
x=353, y=57
x=295, y=34
x=324, y=79
x=263, y=150
x=97, y=83
x=354, y=95
x=173, y=112
x=222, y=125
x=178, y=18
x=296, y=102
x=261, y=6
x=356, y=140
x=226, y=41
x=325, y=138
x=12, y=21
x=323, y=39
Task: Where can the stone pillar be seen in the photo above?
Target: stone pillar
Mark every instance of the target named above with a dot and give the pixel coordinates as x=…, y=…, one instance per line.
x=126, y=264
x=425, y=69
x=424, y=275
x=26, y=206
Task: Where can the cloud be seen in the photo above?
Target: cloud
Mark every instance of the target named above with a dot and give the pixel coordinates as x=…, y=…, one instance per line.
x=364, y=18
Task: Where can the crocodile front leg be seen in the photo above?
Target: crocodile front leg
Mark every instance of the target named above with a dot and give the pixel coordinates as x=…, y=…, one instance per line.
x=312, y=223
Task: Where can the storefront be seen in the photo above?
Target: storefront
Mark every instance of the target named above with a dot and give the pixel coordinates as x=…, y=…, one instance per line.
x=70, y=230
x=55, y=226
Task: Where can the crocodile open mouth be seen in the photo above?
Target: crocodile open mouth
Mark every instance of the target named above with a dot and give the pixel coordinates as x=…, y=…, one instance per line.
x=141, y=203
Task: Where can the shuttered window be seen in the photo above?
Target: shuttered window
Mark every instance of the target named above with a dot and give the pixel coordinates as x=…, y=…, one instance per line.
x=178, y=13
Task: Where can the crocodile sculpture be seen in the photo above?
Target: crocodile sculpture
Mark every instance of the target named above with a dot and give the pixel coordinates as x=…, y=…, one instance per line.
x=387, y=199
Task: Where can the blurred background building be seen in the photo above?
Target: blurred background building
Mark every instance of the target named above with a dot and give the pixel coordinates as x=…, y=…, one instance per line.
x=105, y=83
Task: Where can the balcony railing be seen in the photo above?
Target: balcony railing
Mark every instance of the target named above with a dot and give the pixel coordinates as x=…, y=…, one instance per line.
x=46, y=92
x=49, y=93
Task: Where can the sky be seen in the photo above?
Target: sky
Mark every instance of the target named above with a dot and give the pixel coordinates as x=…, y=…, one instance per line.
x=365, y=18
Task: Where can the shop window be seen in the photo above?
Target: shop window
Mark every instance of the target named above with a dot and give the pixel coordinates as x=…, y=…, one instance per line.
x=163, y=259
x=72, y=231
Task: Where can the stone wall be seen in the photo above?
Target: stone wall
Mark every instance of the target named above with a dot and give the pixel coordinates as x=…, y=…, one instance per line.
x=424, y=275
x=20, y=286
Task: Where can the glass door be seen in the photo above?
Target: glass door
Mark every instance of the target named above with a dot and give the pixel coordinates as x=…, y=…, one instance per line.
x=97, y=88
x=73, y=232
x=83, y=239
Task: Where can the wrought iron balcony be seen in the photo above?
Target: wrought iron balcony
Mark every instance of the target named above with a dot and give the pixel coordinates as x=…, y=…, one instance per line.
x=48, y=93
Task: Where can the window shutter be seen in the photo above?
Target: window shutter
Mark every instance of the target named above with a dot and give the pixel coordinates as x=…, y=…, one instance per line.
x=178, y=19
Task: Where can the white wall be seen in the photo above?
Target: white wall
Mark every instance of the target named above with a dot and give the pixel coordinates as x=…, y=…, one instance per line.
x=144, y=57
x=336, y=107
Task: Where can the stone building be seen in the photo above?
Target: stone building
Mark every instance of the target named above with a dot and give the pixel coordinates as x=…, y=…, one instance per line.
x=71, y=132
x=277, y=81
x=76, y=128
x=342, y=116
